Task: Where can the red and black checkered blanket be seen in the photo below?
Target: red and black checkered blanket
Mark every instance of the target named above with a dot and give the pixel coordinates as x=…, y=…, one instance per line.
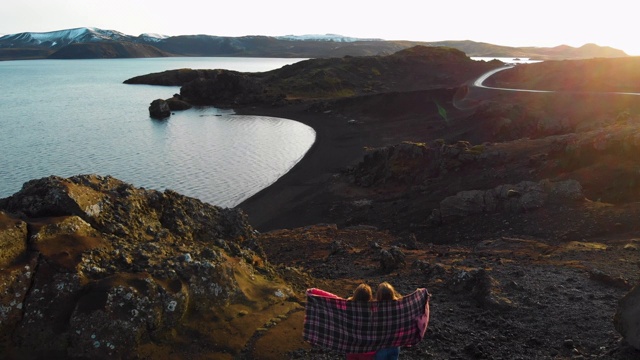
x=354, y=327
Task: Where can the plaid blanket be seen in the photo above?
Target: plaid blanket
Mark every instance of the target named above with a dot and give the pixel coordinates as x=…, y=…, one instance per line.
x=354, y=327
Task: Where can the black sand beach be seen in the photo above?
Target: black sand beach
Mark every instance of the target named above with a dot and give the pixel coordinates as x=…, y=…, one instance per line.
x=343, y=130
x=294, y=199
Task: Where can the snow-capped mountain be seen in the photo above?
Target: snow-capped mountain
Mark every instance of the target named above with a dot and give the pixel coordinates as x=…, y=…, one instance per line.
x=89, y=42
x=60, y=38
x=325, y=37
x=150, y=37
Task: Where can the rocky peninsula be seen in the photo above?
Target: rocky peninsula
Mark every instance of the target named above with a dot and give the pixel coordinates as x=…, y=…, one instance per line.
x=518, y=211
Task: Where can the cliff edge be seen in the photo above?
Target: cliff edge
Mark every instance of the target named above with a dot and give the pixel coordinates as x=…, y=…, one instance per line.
x=92, y=267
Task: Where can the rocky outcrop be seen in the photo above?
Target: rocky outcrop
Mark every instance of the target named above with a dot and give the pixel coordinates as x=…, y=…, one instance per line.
x=617, y=140
x=92, y=267
x=391, y=259
x=505, y=121
x=415, y=69
x=521, y=197
x=159, y=109
x=10, y=230
x=412, y=163
x=177, y=103
x=479, y=285
x=226, y=88
x=177, y=77
x=626, y=317
x=223, y=88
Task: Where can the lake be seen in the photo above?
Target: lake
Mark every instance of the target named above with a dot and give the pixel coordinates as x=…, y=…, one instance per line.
x=71, y=117
x=506, y=60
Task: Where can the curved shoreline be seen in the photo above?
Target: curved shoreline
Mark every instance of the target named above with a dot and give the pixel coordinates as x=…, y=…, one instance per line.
x=293, y=199
x=304, y=195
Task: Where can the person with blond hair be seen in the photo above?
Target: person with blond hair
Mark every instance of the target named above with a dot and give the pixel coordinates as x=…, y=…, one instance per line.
x=362, y=293
x=386, y=292
x=359, y=327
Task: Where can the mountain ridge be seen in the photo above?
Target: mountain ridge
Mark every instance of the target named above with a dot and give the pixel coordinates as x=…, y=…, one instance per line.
x=42, y=45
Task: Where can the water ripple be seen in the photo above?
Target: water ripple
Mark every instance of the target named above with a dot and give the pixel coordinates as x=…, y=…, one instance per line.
x=68, y=118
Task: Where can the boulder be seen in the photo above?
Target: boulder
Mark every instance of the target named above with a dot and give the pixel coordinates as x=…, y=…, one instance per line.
x=107, y=269
x=391, y=259
x=482, y=287
x=176, y=103
x=159, y=109
x=521, y=197
x=626, y=318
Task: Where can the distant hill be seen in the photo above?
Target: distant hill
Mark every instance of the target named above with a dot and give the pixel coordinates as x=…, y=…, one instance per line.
x=324, y=37
x=107, y=50
x=562, y=52
x=415, y=69
x=24, y=54
x=32, y=45
x=589, y=75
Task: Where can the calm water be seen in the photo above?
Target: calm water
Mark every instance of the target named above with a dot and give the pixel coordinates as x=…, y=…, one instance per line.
x=506, y=60
x=70, y=117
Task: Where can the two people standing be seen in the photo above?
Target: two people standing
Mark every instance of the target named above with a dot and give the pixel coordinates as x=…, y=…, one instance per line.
x=384, y=292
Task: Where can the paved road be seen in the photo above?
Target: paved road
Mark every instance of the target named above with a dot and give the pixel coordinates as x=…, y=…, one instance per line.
x=479, y=81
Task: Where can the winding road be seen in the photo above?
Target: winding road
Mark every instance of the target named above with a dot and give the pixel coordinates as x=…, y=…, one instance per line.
x=479, y=84
x=481, y=79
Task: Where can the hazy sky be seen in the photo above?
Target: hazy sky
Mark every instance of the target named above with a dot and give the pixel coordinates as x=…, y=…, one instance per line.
x=512, y=23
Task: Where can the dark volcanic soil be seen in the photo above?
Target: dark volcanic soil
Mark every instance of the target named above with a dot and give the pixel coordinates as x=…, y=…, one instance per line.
x=542, y=284
x=534, y=298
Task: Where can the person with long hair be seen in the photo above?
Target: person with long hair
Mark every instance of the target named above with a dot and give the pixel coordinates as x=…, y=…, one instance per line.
x=386, y=292
x=357, y=327
x=363, y=293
